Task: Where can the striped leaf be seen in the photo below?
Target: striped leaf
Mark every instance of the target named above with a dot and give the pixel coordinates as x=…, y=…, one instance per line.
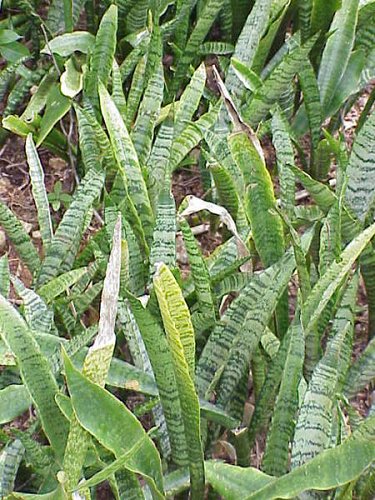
x=332, y=278
x=205, y=20
x=276, y=84
x=70, y=229
x=190, y=99
x=181, y=339
x=39, y=192
x=4, y=276
x=163, y=247
x=62, y=283
x=117, y=90
x=337, y=50
x=248, y=41
x=135, y=92
x=199, y=272
x=103, y=53
x=362, y=372
x=359, y=196
x=313, y=429
x=276, y=457
x=38, y=316
x=330, y=469
x=162, y=365
x=148, y=113
x=265, y=223
x=19, y=238
x=10, y=460
x=97, y=361
x=35, y=373
x=285, y=157
x=127, y=160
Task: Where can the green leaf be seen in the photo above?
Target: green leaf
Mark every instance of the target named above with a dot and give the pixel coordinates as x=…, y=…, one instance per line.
x=57, y=106
x=14, y=52
x=14, y=400
x=105, y=418
x=181, y=340
x=4, y=276
x=19, y=237
x=205, y=20
x=127, y=160
x=68, y=43
x=103, y=53
x=35, y=373
x=162, y=365
x=276, y=457
x=39, y=192
x=330, y=469
x=337, y=50
x=260, y=204
x=332, y=278
x=68, y=234
x=10, y=460
x=359, y=196
x=276, y=84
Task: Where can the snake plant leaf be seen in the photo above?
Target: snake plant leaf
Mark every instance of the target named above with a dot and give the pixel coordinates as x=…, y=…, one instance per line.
x=248, y=42
x=97, y=361
x=233, y=340
x=57, y=106
x=19, y=237
x=162, y=364
x=266, y=224
x=276, y=84
x=311, y=99
x=332, y=278
x=321, y=193
x=276, y=457
x=313, y=429
x=330, y=469
x=148, y=112
x=38, y=316
x=10, y=460
x=190, y=99
x=199, y=272
x=191, y=136
x=285, y=157
x=35, y=373
x=337, y=50
x=65, y=45
x=359, y=197
x=39, y=191
x=103, y=53
x=105, y=418
x=60, y=284
x=226, y=189
x=117, y=90
x=136, y=91
x=14, y=400
x=181, y=340
x=205, y=20
x=157, y=164
x=362, y=372
x=163, y=247
x=71, y=227
x=59, y=14
x=246, y=75
x=127, y=160
x=4, y=276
